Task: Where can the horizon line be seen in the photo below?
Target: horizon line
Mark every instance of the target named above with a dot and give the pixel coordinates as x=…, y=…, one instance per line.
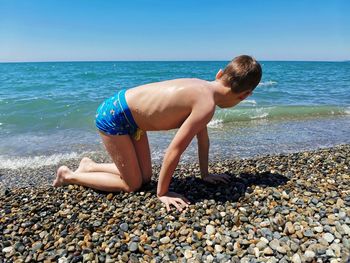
x=160, y=60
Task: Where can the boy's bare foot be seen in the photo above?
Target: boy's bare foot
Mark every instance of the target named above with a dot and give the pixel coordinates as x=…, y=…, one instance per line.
x=62, y=173
x=85, y=165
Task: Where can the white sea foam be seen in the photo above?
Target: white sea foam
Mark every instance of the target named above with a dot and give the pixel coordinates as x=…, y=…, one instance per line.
x=261, y=113
x=215, y=123
x=250, y=102
x=347, y=111
x=267, y=83
x=34, y=161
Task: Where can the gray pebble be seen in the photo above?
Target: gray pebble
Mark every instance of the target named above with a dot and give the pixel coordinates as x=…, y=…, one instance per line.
x=124, y=227
x=133, y=246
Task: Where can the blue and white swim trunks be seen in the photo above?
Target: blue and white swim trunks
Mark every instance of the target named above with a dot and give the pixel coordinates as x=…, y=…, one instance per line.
x=114, y=117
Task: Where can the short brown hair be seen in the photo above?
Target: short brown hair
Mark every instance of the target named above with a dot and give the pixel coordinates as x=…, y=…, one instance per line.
x=243, y=73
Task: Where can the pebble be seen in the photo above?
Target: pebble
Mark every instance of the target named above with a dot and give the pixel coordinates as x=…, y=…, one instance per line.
x=318, y=229
x=7, y=249
x=268, y=251
x=261, y=245
x=299, y=212
x=210, y=230
x=165, y=240
x=188, y=254
x=328, y=237
x=296, y=258
x=124, y=227
x=133, y=246
x=346, y=229
x=309, y=254
x=274, y=244
x=289, y=228
x=308, y=233
x=330, y=253
x=218, y=248
x=265, y=223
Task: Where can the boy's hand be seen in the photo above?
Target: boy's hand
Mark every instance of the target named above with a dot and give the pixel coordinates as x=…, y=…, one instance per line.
x=175, y=199
x=215, y=178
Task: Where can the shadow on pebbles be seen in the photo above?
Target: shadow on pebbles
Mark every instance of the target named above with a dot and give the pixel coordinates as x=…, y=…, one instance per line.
x=282, y=208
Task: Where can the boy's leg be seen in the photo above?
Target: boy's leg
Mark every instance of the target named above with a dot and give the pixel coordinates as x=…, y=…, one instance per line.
x=87, y=166
x=96, y=180
x=122, y=152
x=144, y=157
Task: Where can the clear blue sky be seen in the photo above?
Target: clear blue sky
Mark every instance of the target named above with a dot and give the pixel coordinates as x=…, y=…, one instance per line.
x=66, y=30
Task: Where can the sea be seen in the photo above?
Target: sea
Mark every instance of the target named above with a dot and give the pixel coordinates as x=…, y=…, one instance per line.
x=47, y=109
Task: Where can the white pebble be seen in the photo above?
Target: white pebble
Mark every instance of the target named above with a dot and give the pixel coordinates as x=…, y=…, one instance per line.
x=296, y=258
x=318, y=229
x=210, y=229
x=328, y=237
x=309, y=254
x=62, y=260
x=208, y=242
x=265, y=223
x=218, y=248
x=346, y=229
x=165, y=240
x=263, y=239
x=256, y=252
x=210, y=259
x=7, y=249
x=330, y=253
x=188, y=253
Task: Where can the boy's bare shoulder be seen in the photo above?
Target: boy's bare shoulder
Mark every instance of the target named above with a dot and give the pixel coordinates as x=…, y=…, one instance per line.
x=196, y=94
x=202, y=92
x=202, y=97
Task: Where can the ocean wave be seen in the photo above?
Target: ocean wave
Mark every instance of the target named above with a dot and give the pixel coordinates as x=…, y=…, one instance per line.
x=267, y=83
x=249, y=102
x=259, y=113
x=34, y=161
x=215, y=123
x=347, y=111
x=279, y=112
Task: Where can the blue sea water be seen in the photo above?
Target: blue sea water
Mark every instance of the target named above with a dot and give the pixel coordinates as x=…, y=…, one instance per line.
x=47, y=109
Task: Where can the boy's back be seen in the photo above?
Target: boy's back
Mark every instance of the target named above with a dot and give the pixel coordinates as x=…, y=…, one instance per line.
x=166, y=105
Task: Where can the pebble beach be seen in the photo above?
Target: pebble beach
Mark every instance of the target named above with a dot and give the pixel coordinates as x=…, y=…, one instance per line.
x=277, y=208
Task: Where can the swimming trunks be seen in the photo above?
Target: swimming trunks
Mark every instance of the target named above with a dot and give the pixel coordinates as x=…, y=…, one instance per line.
x=114, y=117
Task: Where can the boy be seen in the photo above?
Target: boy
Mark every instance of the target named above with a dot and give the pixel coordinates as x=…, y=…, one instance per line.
x=187, y=104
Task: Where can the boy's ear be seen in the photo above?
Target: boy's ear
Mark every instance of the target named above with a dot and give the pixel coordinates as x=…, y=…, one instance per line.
x=245, y=94
x=219, y=74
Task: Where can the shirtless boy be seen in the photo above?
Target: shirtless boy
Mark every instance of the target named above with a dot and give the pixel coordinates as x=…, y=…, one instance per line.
x=187, y=104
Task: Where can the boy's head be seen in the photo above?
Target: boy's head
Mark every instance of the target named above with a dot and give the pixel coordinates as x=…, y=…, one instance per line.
x=242, y=74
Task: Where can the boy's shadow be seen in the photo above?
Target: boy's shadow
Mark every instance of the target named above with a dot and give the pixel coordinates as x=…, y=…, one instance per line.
x=195, y=189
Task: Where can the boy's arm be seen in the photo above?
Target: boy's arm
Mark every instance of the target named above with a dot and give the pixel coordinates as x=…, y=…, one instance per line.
x=203, y=154
x=203, y=151
x=195, y=122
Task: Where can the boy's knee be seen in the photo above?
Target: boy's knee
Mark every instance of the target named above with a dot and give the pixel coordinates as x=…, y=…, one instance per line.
x=134, y=187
